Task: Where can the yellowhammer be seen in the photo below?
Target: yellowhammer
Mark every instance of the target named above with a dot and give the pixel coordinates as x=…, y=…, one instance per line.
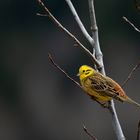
x=101, y=88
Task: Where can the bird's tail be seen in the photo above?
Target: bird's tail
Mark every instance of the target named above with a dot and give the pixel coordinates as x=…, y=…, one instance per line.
x=129, y=100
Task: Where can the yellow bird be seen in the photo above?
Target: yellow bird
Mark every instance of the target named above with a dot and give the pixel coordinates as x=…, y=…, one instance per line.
x=101, y=88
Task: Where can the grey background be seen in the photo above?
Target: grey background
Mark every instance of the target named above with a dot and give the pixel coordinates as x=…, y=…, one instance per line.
x=37, y=102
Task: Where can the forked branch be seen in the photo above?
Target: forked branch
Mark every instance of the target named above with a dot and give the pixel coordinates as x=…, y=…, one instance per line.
x=49, y=14
x=99, y=56
x=93, y=56
x=79, y=22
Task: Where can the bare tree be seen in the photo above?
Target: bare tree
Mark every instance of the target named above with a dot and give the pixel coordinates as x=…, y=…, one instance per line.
x=96, y=55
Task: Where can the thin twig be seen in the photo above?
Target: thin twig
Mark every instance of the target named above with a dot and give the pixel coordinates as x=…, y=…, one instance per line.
x=130, y=74
x=70, y=78
x=128, y=21
x=88, y=133
x=138, y=131
x=79, y=22
x=58, y=67
x=98, y=56
x=70, y=34
x=42, y=15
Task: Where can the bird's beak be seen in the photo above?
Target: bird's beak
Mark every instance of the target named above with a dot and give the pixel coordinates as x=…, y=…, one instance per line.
x=78, y=74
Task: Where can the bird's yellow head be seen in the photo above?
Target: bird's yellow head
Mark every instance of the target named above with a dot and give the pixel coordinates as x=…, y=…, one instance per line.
x=85, y=71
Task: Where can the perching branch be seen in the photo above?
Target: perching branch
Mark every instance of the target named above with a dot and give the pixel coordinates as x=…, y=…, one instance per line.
x=88, y=133
x=130, y=23
x=70, y=34
x=79, y=22
x=99, y=56
x=130, y=74
x=111, y=109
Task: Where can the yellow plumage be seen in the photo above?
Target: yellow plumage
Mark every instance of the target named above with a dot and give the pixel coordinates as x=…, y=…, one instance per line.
x=101, y=88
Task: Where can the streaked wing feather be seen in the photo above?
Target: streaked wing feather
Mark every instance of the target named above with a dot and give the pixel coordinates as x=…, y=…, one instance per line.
x=103, y=86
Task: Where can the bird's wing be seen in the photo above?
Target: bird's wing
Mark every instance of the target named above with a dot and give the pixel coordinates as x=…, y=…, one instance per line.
x=104, y=86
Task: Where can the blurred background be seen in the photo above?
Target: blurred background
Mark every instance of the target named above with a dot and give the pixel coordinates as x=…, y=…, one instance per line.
x=37, y=102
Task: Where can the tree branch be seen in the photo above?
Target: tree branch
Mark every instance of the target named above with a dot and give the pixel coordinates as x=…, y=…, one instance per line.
x=99, y=56
x=131, y=24
x=130, y=74
x=70, y=34
x=96, y=47
x=58, y=67
x=94, y=30
x=61, y=70
x=88, y=133
x=79, y=22
x=96, y=54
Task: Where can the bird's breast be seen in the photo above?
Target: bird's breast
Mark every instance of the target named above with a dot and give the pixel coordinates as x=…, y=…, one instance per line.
x=98, y=95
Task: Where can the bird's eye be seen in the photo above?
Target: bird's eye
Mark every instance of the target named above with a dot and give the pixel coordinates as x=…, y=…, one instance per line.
x=83, y=70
